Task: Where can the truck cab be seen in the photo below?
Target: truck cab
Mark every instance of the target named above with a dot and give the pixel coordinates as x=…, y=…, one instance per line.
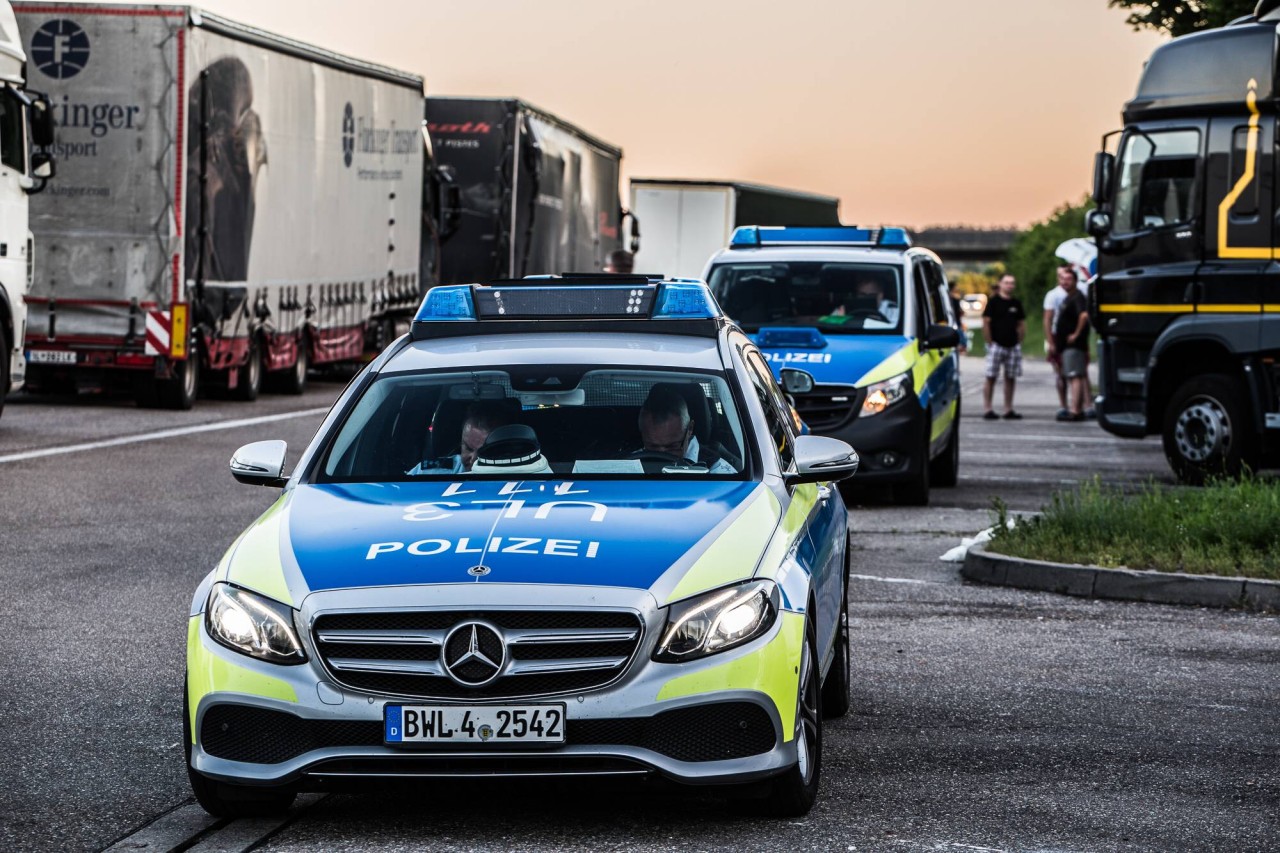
x=1187, y=301
x=26, y=127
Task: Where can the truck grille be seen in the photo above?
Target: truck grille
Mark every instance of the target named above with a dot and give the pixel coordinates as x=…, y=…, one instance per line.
x=404, y=653
x=829, y=407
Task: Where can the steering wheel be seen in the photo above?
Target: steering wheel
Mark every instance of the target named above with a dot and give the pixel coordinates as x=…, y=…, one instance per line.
x=657, y=460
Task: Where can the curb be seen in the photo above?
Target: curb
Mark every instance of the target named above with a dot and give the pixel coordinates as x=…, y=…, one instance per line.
x=982, y=566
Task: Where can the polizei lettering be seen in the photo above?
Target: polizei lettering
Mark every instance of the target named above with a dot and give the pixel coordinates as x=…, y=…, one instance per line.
x=529, y=546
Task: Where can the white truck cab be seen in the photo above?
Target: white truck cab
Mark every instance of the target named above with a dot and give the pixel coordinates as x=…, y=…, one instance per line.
x=26, y=126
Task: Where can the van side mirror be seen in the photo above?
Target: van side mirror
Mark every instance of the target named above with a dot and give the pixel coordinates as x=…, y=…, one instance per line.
x=796, y=381
x=260, y=464
x=941, y=337
x=1104, y=168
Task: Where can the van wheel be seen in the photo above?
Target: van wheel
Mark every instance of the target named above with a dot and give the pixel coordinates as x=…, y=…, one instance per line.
x=915, y=491
x=945, y=470
x=1207, y=432
x=223, y=800
x=249, y=382
x=795, y=791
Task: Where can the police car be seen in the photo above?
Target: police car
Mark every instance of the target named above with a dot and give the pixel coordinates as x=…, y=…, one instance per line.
x=565, y=526
x=871, y=319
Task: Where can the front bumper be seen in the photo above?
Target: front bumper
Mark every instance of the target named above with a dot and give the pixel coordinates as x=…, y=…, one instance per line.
x=728, y=718
x=890, y=445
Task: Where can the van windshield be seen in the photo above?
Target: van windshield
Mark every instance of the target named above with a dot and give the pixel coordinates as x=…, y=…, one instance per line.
x=835, y=297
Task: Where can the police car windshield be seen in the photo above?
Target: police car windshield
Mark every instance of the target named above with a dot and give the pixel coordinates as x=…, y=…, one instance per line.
x=835, y=297
x=540, y=423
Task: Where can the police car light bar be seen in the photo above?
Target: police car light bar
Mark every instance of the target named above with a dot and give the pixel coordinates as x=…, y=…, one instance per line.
x=536, y=304
x=756, y=236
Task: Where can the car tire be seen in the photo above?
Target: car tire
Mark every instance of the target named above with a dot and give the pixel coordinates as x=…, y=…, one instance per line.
x=945, y=470
x=794, y=792
x=224, y=800
x=915, y=491
x=835, y=688
x=249, y=381
x=1207, y=432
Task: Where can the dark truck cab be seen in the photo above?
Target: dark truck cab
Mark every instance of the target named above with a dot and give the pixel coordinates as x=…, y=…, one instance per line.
x=1187, y=299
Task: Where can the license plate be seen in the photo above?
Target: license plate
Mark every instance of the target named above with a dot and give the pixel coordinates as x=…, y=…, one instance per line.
x=50, y=356
x=441, y=724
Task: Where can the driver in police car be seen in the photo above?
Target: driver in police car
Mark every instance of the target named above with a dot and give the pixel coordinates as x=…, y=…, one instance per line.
x=666, y=427
x=481, y=418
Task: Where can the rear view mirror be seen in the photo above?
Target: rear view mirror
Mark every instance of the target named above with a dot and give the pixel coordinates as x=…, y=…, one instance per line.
x=1097, y=223
x=796, y=381
x=42, y=165
x=260, y=464
x=823, y=459
x=941, y=337
x=41, y=121
x=1104, y=166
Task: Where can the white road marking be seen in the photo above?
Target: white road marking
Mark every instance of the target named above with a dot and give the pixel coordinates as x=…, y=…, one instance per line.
x=890, y=580
x=1061, y=438
x=160, y=435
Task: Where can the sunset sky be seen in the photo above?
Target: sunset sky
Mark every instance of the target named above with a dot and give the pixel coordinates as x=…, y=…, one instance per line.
x=985, y=112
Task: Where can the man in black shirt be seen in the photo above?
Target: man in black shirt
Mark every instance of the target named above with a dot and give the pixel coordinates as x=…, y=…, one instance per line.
x=1004, y=325
x=1071, y=339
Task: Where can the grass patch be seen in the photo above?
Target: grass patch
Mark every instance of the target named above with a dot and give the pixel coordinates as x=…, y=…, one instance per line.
x=1225, y=528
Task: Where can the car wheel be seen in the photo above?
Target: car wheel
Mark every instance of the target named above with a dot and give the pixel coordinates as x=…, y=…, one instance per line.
x=915, y=491
x=835, y=689
x=795, y=791
x=1207, y=431
x=946, y=468
x=249, y=382
x=223, y=800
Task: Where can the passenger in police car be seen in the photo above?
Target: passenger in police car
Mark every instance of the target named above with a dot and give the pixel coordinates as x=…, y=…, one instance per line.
x=481, y=418
x=667, y=428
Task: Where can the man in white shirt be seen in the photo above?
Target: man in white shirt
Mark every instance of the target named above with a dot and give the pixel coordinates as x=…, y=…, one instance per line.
x=886, y=308
x=666, y=427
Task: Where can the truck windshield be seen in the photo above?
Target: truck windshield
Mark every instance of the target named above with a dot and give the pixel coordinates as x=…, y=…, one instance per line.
x=11, y=147
x=1157, y=180
x=837, y=297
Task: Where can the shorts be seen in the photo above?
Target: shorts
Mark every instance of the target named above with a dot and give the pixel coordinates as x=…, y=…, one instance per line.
x=1075, y=363
x=1009, y=358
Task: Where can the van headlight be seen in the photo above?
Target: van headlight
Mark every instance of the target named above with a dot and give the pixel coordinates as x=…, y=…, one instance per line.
x=717, y=621
x=882, y=395
x=252, y=625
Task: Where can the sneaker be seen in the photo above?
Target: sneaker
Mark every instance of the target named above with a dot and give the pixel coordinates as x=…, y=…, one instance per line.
x=991, y=416
x=1063, y=415
x=1012, y=416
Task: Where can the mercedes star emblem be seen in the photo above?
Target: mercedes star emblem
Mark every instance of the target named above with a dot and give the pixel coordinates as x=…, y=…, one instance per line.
x=473, y=654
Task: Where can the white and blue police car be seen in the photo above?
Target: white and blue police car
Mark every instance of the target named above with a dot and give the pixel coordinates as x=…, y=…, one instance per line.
x=871, y=319
x=565, y=526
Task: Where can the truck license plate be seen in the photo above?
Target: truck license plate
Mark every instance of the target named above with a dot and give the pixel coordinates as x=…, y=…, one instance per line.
x=440, y=724
x=50, y=356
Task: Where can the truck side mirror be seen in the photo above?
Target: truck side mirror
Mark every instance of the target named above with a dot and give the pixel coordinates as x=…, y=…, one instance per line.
x=1097, y=223
x=1104, y=167
x=42, y=169
x=449, y=202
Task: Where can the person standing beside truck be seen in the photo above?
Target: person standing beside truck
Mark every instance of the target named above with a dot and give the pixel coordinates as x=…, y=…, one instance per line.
x=1004, y=325
x=1071, y=340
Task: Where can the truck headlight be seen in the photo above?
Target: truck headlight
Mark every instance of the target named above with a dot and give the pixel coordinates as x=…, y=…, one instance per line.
x=252, y=625
x=717, y=620
x=882, y=395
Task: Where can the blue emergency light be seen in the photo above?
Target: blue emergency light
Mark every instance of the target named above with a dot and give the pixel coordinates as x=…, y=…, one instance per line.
x=757, y=236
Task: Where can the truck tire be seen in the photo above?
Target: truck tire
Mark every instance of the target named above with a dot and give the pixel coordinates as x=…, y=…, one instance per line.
x=223, y=800
x=180, y=392
x=1207, y=429
x=249, y=382
x=945, y=470
x=294, y=380
x=6, y=362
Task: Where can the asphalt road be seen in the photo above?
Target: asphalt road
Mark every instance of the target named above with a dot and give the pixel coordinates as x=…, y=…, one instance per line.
x=984, y=719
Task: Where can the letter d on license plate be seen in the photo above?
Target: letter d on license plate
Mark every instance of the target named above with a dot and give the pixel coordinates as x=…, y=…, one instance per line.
x=458, y=724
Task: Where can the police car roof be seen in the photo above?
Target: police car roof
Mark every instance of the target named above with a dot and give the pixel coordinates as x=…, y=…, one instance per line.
x=586, y=348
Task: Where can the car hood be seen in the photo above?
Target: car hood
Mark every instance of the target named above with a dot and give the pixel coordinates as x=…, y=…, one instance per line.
x=646, y=535
x=844, y=359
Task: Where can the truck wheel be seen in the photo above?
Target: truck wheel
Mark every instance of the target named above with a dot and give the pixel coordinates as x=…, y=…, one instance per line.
x=221, y=799
x=795, y=791
x=249, y=382
x=915, y=491
x=294, y=380
x=835, y=689
x=6, y=361
x=945, y=470
x=180, y=392
x=1207, y=432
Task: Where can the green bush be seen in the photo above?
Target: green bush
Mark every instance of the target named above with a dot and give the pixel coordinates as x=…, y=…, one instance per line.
x=1226, y=528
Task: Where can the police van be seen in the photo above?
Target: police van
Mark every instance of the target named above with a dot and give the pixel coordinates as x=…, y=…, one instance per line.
x=871, y=320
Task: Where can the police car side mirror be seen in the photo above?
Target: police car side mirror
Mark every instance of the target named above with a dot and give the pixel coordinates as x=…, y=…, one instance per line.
x=260, y=464
x=822, y=459
x=796, y=381
x=941, y=337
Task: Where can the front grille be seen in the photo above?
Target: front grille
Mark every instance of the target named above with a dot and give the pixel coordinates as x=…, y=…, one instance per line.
x=701, y=733
x=829, y=407
x=548, y=652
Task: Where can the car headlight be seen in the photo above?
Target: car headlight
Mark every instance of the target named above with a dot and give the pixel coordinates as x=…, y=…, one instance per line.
x=882, y=395
x=252, y=625
x=717, y=620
